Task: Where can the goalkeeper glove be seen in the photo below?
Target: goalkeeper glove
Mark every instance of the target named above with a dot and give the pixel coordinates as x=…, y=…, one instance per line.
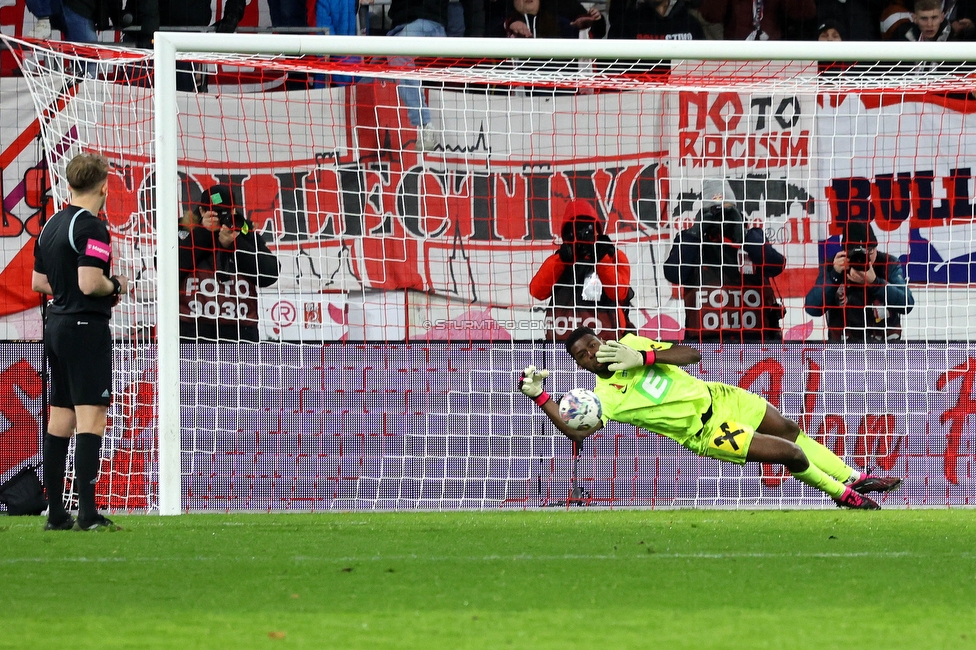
x=531, y=384
x=623, y=357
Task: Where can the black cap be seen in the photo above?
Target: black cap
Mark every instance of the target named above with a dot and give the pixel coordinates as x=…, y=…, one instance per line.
x=859, y=235
x=218, y=198
x=830, y=24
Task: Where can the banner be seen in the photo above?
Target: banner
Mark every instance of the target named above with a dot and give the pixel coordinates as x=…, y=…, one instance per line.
x=349, y=207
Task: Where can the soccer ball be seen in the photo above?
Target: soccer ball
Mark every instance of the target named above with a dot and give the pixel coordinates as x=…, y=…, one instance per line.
x=580, y=409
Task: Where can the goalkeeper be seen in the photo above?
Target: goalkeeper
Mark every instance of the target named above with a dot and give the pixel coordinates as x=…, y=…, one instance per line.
x=639, y=383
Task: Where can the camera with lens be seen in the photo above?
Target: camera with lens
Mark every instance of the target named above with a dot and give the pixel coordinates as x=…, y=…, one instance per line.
x=723, y=222
x=221, y=200
x=226, y=216
x=858, y=259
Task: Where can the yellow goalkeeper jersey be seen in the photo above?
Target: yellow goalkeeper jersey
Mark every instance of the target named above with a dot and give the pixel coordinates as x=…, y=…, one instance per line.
x=660, y=398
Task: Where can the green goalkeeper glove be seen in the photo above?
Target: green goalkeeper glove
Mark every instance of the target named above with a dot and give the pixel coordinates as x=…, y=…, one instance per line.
x=623, y=357
x=531, y=384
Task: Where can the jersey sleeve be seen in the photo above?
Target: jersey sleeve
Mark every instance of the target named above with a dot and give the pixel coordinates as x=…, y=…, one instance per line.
x=38, y=258
x=93, y=244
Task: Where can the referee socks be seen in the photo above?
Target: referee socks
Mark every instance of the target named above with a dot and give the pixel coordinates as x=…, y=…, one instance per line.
x=88, y=448
x=55, y=459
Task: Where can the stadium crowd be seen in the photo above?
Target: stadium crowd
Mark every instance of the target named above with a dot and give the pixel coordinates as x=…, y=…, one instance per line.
x=862, y=20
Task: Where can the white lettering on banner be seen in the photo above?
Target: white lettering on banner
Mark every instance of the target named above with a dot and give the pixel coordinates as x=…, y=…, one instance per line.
x=511, y=209
x=564, y=324
x=719, y=298
x=727, y=320
x=209, y=298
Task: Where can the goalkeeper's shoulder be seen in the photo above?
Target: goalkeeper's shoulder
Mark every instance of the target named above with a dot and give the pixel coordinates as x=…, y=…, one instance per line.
x=662, y=351
x=643, y=343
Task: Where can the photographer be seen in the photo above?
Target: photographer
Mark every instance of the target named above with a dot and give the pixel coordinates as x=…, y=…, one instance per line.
x=724, y=274
x=587, y=278
x=862, y=292
x=223, y=261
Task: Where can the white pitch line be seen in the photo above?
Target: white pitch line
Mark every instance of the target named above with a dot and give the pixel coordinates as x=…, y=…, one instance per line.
x=495, y=558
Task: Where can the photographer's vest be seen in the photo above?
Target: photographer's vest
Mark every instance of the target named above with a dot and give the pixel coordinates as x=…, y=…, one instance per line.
x=218, y=297
x=571, y=309
x=729, y=307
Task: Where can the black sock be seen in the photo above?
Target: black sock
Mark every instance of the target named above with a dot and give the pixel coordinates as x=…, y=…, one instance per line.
x=55, y=458
x=88, y=449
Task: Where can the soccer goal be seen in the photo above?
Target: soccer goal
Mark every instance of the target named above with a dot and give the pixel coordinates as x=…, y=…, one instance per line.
x=413, y=192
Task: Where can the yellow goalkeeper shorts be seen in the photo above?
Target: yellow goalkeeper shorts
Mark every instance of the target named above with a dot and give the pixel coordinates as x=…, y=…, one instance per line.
x=735, y=415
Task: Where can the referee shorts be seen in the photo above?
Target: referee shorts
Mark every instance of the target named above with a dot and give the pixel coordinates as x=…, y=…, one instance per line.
x=79, y=351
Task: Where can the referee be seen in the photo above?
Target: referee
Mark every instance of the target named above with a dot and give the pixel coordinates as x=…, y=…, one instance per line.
x=72, y=263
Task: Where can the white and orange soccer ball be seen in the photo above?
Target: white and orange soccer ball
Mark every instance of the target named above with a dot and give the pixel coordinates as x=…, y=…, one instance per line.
x=581, y=409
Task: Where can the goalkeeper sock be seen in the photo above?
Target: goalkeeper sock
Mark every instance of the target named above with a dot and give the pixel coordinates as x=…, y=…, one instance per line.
x=88, y=447
x=817, y=478
x=55, y=458
x=825, y=459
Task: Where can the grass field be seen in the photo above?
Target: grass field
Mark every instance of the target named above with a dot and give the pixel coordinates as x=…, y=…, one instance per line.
x=554, y=579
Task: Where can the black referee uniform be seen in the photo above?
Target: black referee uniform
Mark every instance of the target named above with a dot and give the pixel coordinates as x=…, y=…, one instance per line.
x=78, y=344
x=76, y=335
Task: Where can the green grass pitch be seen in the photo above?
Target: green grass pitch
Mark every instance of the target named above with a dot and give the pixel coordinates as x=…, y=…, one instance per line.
x=552, y=579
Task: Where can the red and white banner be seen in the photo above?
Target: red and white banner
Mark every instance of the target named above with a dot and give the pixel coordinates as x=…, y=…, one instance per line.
x=349, y=206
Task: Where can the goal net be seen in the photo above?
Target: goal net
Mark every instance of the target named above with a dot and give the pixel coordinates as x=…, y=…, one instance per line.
x=427, y=206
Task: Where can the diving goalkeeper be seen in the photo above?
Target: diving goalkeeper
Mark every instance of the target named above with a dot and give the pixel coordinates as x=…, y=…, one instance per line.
x=639, y=382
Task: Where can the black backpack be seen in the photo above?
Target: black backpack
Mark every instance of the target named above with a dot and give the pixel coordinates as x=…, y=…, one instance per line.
x=23, y=494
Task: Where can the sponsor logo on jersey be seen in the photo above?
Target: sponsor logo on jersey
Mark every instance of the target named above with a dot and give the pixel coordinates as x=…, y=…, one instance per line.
x=98, y=249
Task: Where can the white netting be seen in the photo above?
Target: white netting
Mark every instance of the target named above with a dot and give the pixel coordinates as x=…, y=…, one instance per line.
x=405, y=304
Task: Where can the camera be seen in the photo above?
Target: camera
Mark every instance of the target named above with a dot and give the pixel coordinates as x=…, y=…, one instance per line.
x=234, y=220
x=857, y=258
x=723, y=222
x=226, y=216
x=584, y=231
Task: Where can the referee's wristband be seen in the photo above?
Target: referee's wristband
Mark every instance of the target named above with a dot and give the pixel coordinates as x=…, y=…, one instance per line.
x=117, y=286
x=542, y=398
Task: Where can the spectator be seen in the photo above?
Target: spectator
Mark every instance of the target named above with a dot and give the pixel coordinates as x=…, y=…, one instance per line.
x=552, y=19
x=861, y=291
x=41, y=10
x=723, y=271
x=587, y=280
x=223, y=261
x=929, y=22
x=150, y=15
x=417, y=18
x=340, y=19
x=535, y=19
x=759, y=20
x=855, y=20
x=895, y=20
x=580, y=18
x=829, y=30
x=466, y=18
x=656, y=19
x=294, y=13
x=961, y=15
x=76, y=19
